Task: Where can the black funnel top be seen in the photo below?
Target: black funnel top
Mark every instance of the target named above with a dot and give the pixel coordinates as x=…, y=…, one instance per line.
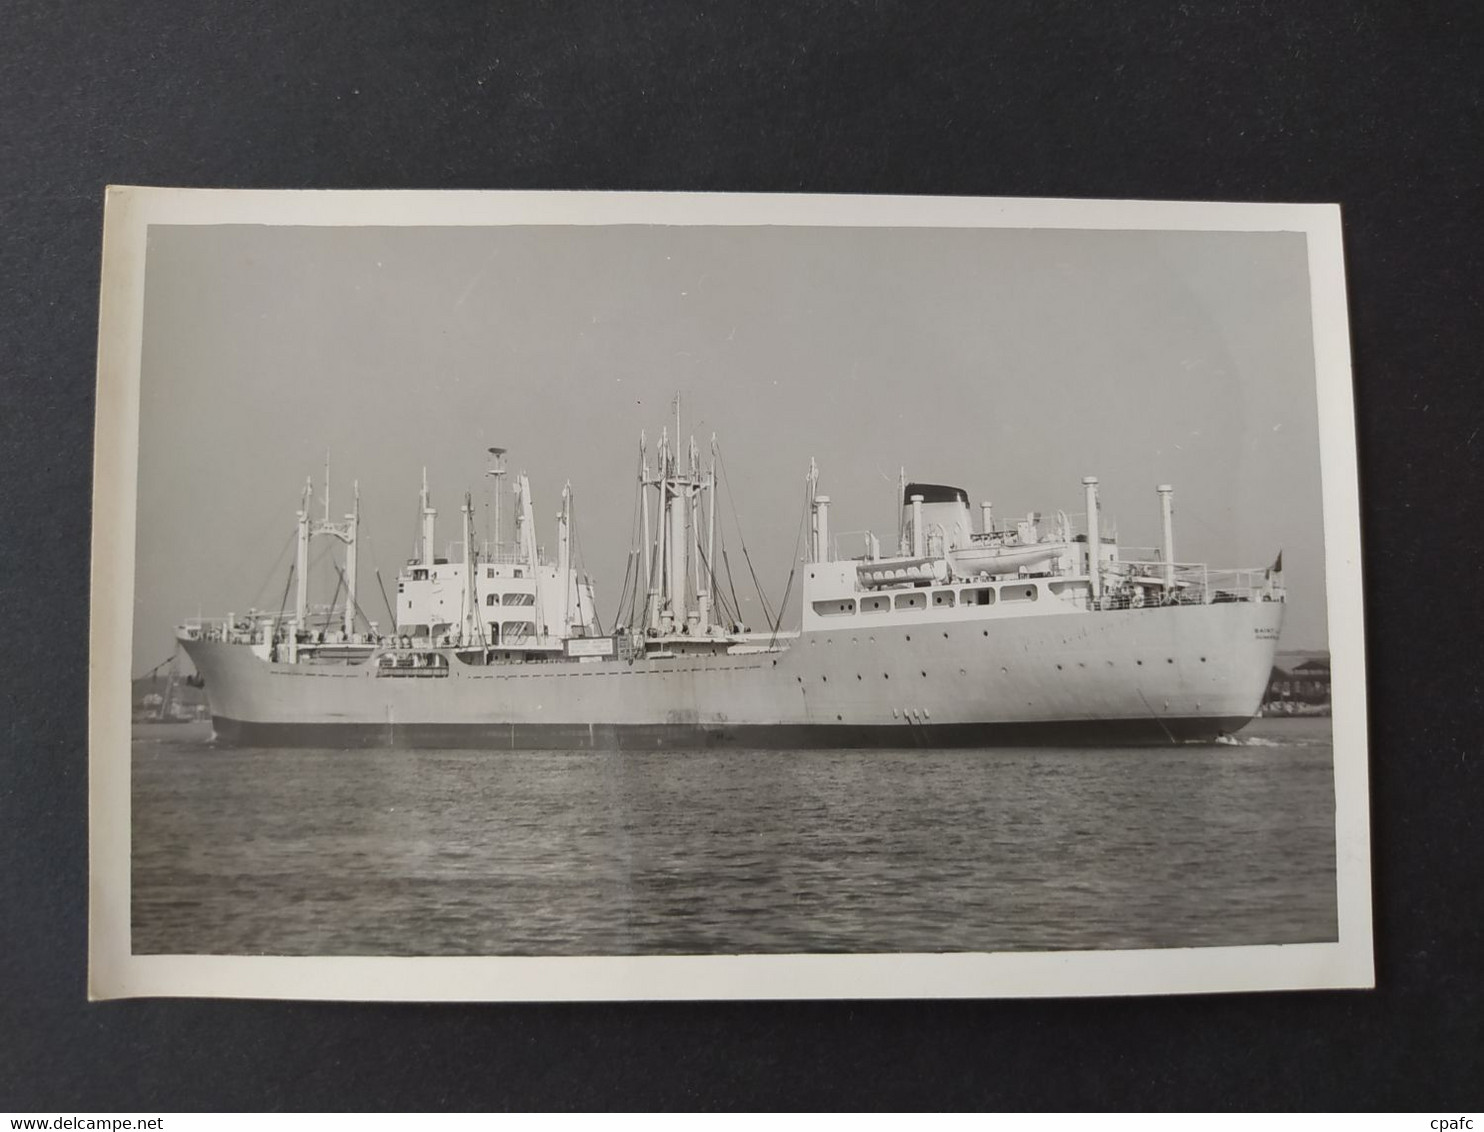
x=935, y=493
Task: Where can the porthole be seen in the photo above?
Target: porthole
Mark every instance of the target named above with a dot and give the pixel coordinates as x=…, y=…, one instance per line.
x=1169, y=660
x=1058, y=668
x=857, y=675
x=824, y=679
x=945, y=636
x=909, y=636
x=886, y=676
x=800, y=679
x=984, y=632
x=839, y=717
x=1203, y=660
x=1004, y=669
x=924, y=675
x=1139, y=662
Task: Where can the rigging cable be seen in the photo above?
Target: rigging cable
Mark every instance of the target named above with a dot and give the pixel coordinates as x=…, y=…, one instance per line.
x=732, y=500
x=389, y=611
x=232, y=579
x=268, y=577
x=363, y=533
x=283, y=603
x=631, y=573
x=731, y=584
x=349, y=597
x=577, y=560
x=340, y=581
x=716, y=595
x=788, y=589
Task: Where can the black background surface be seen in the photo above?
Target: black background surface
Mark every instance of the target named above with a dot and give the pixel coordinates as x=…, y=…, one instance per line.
x=1376, y=106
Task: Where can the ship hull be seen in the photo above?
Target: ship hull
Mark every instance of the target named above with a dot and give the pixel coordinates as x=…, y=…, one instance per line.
x=757, y=737
x=1128, y=677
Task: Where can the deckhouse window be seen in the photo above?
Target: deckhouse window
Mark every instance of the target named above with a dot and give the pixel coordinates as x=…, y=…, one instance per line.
x=835, y=607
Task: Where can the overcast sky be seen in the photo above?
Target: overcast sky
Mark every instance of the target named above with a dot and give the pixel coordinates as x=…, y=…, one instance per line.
x=1009, y=362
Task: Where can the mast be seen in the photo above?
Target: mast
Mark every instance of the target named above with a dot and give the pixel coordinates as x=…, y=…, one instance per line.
x=678, y=505
x=429, y=517
x=693, y=511
x=661, y=553
x=520, y=526
x=901, y=509
x=651, y=593
x=301, y=560
x=527, y=522
x=310, y=529
x=1094, y=539
x=1167, y=515
x=812, y=485
x=705, y=598
x=564, y=558
x=353, y=525
x=469, y=605
x=496, y=471
x=819, y=512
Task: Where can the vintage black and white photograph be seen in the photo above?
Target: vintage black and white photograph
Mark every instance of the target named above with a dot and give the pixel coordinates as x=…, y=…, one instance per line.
x=645, y=596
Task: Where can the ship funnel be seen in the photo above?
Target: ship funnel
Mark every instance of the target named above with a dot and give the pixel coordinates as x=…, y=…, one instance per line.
x=945, y=509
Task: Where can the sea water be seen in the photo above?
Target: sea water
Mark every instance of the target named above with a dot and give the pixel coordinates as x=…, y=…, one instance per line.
x=323, y=852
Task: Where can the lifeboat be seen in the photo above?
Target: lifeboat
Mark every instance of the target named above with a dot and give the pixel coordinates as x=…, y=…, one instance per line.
x=1005, y=558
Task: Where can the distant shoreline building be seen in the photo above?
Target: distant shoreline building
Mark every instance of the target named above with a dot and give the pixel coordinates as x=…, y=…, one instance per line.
x=1303, y=689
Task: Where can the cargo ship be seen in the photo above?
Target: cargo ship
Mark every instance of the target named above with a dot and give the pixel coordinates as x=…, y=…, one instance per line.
x=964, y=630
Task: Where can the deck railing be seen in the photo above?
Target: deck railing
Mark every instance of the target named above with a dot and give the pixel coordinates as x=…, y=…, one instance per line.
x=1136, y=582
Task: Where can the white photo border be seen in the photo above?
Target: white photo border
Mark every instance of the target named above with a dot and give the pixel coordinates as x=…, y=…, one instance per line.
x=114, y=972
